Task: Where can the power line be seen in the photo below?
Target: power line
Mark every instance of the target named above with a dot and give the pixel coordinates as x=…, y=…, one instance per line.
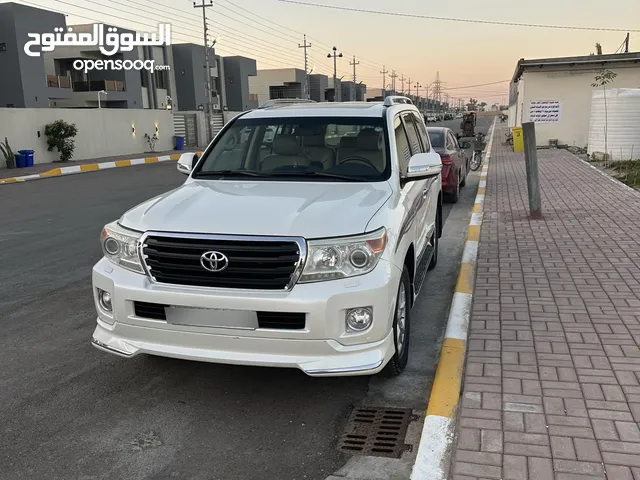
x=473, y=86
x=258, y=16
x=462, y=20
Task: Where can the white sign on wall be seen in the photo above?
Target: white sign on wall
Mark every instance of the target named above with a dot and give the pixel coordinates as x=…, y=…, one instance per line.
x=545, y=111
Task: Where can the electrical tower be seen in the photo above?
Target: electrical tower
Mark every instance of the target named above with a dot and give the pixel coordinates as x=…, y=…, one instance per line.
x=353, y=95
x=207, y=68
x=437, y=91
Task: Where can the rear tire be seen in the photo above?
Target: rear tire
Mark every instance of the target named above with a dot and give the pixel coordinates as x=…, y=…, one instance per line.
x=464, y=178
x=401, y=326
x=455, y=196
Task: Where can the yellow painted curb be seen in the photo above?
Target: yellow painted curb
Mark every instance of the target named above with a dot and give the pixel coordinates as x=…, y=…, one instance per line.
x=446, y=384
x=89, y=167
x=473, y=233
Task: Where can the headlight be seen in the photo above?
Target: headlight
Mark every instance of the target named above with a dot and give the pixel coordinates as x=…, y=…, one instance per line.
x=120, y=245
x=343, y=257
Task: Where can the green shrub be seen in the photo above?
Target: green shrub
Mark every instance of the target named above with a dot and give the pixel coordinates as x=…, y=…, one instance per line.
x=59, y=135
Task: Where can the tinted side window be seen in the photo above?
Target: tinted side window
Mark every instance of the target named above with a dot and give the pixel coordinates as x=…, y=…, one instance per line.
x=454, y=141
x=450, y=144
x=402, y=146
x=412, y=133
x=422, y=131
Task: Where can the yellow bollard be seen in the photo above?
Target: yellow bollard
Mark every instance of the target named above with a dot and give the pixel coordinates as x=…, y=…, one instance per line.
x=518, y=139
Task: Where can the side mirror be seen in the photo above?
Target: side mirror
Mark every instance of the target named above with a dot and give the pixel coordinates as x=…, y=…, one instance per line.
x=424, y=165
x=465, y=145
x=186, y=162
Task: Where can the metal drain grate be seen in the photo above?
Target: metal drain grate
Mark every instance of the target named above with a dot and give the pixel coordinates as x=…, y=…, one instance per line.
x=375, y=431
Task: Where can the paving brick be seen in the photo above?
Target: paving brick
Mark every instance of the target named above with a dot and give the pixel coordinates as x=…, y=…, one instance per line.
x=628, y=431
x=578, y=468
x=562, y=447
x=605, y=430
x=527, y=450
x=587, y=449
x=488, y=471
x=515, y=467
x=469, y=439
x=617, y=472
x=540, y=468
x=491, y=441
x=483, y=458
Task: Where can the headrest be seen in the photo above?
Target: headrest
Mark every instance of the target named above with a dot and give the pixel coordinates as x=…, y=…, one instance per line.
x=368, y=139
x=286, y=145
x=313, y=141
x=348, y=142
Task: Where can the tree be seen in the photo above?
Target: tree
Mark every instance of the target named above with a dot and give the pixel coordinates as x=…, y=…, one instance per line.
x=602, y=79
x=482, y=106
x=598, y=49
x=472, y=105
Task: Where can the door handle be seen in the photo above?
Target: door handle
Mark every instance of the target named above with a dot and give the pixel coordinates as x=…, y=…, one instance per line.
x=424, y=193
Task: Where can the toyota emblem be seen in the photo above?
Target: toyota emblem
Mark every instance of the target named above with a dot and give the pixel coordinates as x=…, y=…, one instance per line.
x=214, y=261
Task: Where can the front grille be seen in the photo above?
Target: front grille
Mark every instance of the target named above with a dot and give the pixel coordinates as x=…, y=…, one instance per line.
x=252, y=264
x=150, y=310
x=281, y=320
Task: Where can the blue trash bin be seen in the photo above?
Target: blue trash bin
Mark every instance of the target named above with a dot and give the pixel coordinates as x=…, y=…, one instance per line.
x=20, y=160
x=179, y=142
x=28, y=157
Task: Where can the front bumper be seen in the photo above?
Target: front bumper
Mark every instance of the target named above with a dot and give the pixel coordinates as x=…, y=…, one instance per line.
x=323, y=348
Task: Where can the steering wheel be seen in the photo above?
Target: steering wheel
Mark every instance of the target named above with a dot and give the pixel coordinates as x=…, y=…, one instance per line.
x=358, y=159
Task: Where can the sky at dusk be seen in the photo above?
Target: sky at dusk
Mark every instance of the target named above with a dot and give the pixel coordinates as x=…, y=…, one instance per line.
x=464, y=54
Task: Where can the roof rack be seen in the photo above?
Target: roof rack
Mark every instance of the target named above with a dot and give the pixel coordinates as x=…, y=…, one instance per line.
x=396, y=99
x=285, y=101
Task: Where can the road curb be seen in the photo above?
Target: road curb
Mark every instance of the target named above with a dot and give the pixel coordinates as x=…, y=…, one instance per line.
x=91, y=167
x=438, y=433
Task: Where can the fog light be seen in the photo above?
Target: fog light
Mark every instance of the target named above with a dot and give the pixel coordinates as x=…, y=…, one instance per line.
x=359, y=319
x=105, y=300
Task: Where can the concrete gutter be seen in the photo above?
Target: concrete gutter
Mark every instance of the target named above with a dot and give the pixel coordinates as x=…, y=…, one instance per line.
x=438, y=433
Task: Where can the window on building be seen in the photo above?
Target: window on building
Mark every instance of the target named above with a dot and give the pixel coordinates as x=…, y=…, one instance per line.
x=143, y=79
x=160, y=78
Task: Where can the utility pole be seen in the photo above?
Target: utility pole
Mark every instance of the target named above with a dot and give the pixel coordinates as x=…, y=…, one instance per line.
x=384, y=81
x=531, y=167
x=409, y=82
x=402, y=79
x=626, y=43
x=335, y=56
x=394, y=75
x=354, y=96
x=418, y=94
x=207, y=69
x=307, y=87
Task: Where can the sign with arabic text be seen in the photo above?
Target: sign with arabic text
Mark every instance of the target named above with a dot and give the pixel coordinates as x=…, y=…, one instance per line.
x=109, y=42
x=545, y=111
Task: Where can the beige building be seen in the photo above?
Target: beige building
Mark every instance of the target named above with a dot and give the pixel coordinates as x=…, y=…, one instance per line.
x=555, y=93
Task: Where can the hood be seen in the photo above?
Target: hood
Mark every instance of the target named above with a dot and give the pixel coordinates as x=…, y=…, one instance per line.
x=310, y=210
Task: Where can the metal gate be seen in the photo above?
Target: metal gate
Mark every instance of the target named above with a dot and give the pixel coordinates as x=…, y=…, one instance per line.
x=217, y=122
x=184, y=125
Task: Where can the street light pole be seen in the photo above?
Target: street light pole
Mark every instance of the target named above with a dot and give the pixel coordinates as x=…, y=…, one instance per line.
x=335, y=56
x=101, y=92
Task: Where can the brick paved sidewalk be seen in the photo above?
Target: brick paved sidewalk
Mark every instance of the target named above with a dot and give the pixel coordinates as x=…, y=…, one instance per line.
x=551, y=388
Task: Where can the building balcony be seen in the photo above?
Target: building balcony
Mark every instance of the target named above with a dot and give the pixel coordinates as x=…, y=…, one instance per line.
x=58, y=81
x=98, y=85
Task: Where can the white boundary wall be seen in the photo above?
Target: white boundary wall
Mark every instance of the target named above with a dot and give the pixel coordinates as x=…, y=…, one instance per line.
x=101, y=132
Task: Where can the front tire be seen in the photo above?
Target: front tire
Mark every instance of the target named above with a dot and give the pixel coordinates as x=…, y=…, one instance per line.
x=454, y=196
x=401, y=326
x=476, y=161
x=435, y=241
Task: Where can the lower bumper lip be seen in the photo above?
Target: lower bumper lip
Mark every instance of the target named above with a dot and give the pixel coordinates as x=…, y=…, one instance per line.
x=104, y=346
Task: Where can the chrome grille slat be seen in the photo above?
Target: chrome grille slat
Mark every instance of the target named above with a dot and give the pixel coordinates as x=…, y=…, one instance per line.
x=260, y=263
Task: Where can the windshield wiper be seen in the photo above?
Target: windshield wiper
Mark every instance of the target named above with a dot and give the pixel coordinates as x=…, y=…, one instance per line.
x=313, y=173
x=215, y=173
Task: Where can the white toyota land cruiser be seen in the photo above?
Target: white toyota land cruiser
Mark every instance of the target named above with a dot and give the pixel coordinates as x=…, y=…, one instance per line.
x=300, y=239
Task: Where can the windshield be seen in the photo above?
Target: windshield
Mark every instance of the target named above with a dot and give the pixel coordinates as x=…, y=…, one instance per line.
x=437, y=138
x=323, y=148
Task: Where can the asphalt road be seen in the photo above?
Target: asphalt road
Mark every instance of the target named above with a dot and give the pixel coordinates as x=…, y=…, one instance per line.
x=68, y=411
